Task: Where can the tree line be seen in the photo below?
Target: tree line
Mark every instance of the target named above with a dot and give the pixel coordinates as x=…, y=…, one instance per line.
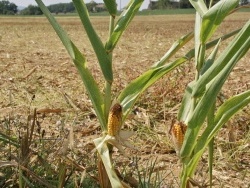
x=7, y=8
x=10, y=8
x=166, y=4
x=56, y=8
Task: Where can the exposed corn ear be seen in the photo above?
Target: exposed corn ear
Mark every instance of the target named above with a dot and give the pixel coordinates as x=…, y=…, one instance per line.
x=177, y=132
x=115, y=120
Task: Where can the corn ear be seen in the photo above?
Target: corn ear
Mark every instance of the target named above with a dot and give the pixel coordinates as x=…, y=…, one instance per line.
x=115, y=120
x=177, y=132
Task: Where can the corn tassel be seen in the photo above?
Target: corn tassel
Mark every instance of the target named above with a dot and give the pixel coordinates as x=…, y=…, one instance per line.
x=115, y=120
x=177, y=131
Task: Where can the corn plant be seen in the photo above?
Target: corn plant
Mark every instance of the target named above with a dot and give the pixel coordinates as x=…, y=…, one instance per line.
x=112, y=112
x=112, y=117
x=199, y=102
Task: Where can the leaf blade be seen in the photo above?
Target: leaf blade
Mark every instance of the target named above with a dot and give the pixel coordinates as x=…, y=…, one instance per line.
x=111, y=6
x=101, y=54
x=234, y=51
x=129, y=95
x=122, y=24
x=214, y=16
x=80, y=63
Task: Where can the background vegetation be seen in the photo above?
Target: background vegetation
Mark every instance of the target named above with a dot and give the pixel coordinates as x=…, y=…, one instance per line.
x=159, y=7
x=7, y=8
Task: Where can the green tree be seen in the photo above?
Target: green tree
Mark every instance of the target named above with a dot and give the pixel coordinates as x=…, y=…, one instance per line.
x=163, y=4
x=61, y=7
x=31, y=10
x=69, y=7
x=7, y=8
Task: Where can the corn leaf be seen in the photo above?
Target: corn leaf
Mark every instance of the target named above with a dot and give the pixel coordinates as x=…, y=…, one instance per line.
x=214, y=16
x=222, y=38
x=199, y=6
x=210, y=60
x=199, y=48
x=210, y=123
x=223, y=114
x=229, y=108
x=122, y=24
x=234, y=51
x=186, y=103
x=200, y=112
x=103, y=58
x=174, y=48
x=129, y=95
x=111, y=7
x=80, y=62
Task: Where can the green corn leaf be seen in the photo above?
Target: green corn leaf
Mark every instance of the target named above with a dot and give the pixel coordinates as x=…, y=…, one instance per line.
x=222, y=38
x=229, y=108
x=94, y=93
x=234, y=51
x=211, y=160
x=210, y=60
x=103, y=58
x=111, y=6
x=199, y=114
x=199, y=6
x=223, y=114
x=186, y=103
x=214, y=16
x=80, y=62
x=199, y=48
x=129, y=95
x=70, y=47
x=174, y=48
x=122, y=24
x=210, y=123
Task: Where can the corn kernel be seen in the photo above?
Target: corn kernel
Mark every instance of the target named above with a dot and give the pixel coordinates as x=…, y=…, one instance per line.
x=115, y=120
x=177, y=131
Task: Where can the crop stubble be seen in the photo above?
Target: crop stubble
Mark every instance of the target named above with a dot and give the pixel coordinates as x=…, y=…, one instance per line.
x=33, y=62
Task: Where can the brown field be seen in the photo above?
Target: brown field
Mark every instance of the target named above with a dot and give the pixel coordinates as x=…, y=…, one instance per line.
x=36, y=72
